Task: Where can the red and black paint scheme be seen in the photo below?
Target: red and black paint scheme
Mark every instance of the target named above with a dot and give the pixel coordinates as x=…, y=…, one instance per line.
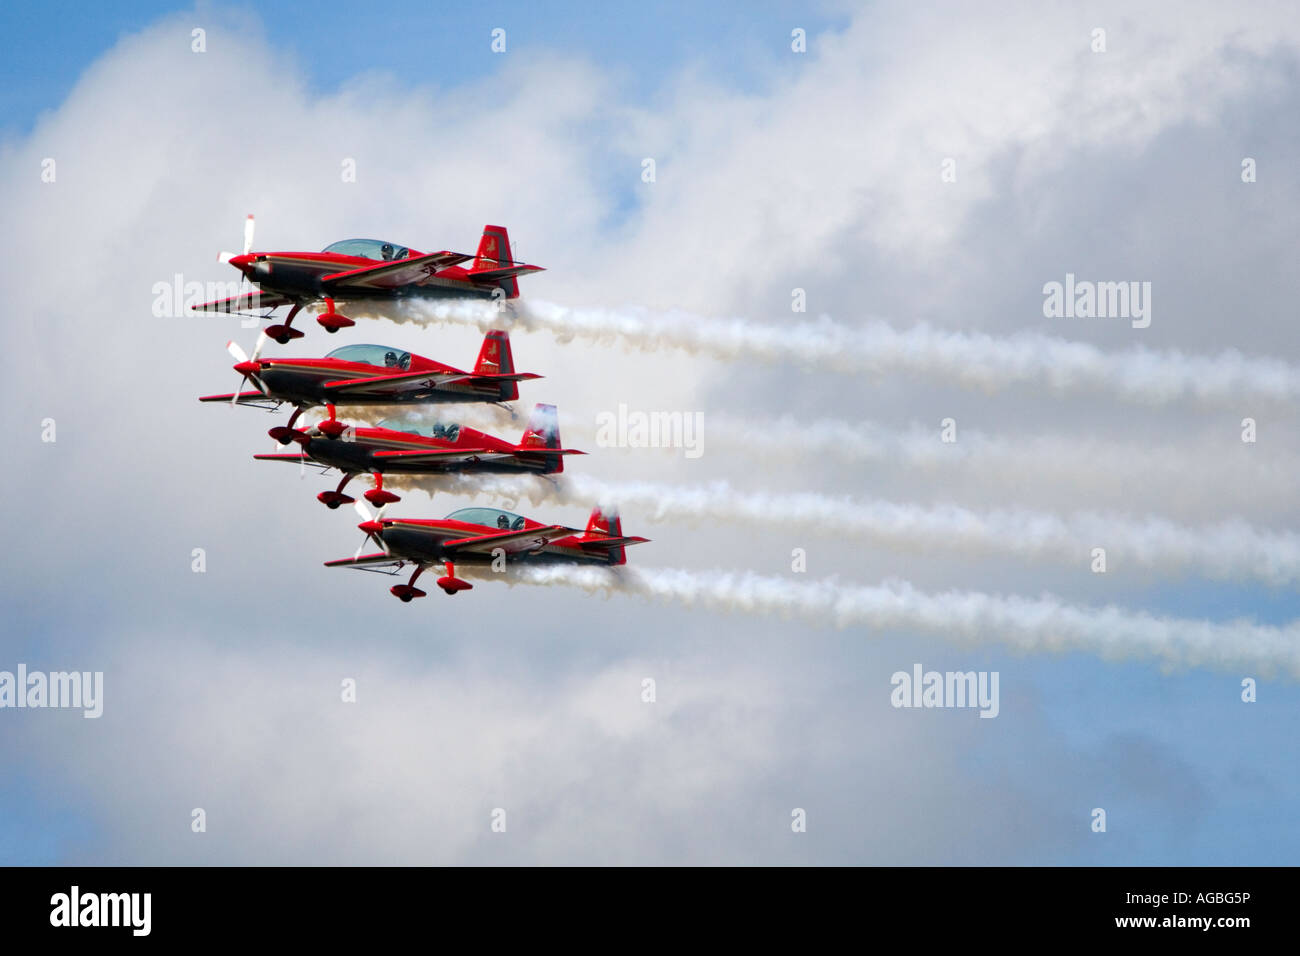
x=434, y=448
x=373, y=375
x=367, y=269
x=480, y=536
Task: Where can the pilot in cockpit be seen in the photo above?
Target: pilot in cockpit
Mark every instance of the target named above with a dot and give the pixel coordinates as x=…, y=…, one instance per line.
x=503, y=522
x=390, y=359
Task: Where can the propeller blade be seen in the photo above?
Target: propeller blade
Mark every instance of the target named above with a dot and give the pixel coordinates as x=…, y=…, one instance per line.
x=248, y=234
x=224, y=257
x=262, y=339
x=236, y=352
x=364, y=512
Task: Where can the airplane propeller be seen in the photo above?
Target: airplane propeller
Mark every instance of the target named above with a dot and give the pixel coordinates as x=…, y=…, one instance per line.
x=248, y=241
x=367, y=519
x=238, y=355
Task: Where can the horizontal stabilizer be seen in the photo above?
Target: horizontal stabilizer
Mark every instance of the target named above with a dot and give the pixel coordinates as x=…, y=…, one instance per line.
x=609, y=544
x=507, y=377
x=496, y=274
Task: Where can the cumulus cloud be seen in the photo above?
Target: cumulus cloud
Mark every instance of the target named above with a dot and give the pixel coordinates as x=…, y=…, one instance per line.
x=222, y=687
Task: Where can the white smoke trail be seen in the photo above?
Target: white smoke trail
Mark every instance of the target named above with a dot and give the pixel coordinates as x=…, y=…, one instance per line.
x=1026, y=624
x=969, y=359
x=1226, y=549
x=921, y=447
x=1158, y=474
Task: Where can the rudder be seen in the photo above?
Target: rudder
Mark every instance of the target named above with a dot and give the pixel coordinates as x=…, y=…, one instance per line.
x=543, y=431
x=494, y=252
x=495, y=358
x=608, y=524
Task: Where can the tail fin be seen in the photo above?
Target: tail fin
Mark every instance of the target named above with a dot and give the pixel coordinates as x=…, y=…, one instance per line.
x=495, y=358
x=608, y=524
x=543, y=431
x=494, y=253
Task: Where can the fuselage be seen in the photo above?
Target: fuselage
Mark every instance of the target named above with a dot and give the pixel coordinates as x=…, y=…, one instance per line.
x=421, y=541
x=302, y=381
x=356, y=453
x=298, y=275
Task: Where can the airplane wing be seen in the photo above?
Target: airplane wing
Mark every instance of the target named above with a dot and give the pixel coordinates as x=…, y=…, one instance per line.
x=512, y=542
x=245, y=398
x=429, y=379
x=416, y=457
x=374, y=560
x=372, y=382
x=249, y=300
x=391, y=275
x=298, y=459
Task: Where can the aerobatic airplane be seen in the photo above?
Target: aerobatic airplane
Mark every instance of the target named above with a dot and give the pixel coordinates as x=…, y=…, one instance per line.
x=360, y=269
x=426, y=449
x=479, y=537
x=372, y=375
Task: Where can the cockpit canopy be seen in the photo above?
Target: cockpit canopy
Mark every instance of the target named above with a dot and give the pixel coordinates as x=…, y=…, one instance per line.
x=446, y=431
x=489, y=517
x=369, y=249
x=382, y=355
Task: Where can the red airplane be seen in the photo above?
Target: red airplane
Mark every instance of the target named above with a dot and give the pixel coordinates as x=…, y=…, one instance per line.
x=372, y=375
x=426, y=449
x=358, y=269
x=477, y=536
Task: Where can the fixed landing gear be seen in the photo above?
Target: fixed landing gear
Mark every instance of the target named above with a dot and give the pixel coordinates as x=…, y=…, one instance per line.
x=333, y=321
x=331, y=427
x=283, y=434
x=332, y=499
x=408, y=592
x=283, y=333
x=377, y=496
x=450, y=583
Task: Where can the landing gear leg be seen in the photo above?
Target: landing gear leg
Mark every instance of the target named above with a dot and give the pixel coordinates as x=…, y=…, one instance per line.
x=408, y=591
x=333, y=321
x=283, y=333
x=332, y=499
x=377, y=496
x=450, y=583
x=284, y=434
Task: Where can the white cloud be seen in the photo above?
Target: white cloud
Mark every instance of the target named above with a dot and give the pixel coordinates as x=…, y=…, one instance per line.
x=221, y=687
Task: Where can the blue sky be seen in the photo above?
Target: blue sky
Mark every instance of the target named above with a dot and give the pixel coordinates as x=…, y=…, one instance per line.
x=644, y=44
x=1189, y=773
